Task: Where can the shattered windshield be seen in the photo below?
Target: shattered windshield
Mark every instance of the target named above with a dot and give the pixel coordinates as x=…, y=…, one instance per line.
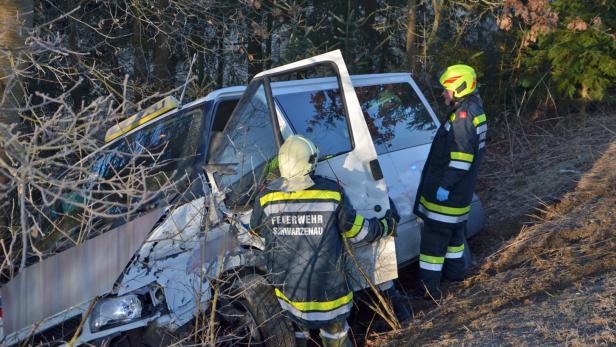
x=127, y=177
x=167, y=148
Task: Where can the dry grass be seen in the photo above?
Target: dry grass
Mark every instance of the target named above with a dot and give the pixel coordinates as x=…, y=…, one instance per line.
x=532, y=167
x=554, y=283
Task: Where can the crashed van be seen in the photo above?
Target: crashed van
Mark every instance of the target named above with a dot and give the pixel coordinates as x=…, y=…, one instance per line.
x=163, y=268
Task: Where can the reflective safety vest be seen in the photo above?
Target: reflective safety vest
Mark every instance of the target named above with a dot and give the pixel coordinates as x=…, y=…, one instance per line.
x=303, y=233
x=453, y=163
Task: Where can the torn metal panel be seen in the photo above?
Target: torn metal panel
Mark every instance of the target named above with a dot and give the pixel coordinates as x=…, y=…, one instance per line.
x=182, y=290
x=180, y=257
x=180, y=233
x=73, y=276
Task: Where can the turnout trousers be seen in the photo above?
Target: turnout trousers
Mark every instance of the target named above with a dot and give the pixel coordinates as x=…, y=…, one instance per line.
x=441, y=253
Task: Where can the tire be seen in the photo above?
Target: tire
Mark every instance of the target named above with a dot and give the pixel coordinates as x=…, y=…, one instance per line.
x=253, y=315
x=133, y=338
x=141, y=337
x=476, y=219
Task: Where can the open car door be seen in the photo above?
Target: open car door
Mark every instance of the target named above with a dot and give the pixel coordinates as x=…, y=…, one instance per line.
x=271, y=110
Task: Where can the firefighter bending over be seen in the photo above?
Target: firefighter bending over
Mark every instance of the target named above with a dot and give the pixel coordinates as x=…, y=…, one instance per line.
x=303, y=219
x=448, y=181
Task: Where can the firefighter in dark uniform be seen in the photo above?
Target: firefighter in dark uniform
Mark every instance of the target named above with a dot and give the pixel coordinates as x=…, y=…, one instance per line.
x=303, y=219
x=448, y=181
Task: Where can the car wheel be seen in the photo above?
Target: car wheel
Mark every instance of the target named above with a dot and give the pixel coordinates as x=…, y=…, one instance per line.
x=133, y=338
x=476, y=219
x=251, y=315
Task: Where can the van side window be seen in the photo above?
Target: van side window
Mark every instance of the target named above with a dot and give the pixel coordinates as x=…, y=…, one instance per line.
x=321, y=117
x=249, y=147
x=224, y=108
x=396, y=117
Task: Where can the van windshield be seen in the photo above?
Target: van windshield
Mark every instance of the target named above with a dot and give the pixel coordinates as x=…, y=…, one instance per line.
x=167, y=147
x=131, y=175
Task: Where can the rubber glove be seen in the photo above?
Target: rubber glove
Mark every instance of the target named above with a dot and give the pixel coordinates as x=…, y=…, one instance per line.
x=442, y=194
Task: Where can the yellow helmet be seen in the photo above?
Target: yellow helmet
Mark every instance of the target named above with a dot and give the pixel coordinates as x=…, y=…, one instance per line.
x=460, y=79
x=297, y=157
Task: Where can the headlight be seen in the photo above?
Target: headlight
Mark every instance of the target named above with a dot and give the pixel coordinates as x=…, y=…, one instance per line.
x=115, y=310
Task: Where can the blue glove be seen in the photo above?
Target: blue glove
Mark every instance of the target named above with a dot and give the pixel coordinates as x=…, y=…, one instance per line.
x=442, y=194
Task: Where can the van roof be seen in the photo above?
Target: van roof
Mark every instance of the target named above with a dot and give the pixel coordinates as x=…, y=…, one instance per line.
x=236, y=91
x=357, y=79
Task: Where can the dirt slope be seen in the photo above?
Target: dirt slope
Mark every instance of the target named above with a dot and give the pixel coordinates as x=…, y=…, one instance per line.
x=551, y=283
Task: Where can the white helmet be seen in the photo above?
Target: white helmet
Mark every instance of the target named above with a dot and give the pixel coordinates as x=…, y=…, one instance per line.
x=297, y=157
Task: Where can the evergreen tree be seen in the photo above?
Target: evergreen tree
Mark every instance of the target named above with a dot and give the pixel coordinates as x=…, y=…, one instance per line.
x=581, y=51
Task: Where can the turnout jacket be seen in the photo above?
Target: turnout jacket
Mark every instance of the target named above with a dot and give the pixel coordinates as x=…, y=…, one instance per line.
x=453, y=163
x=303, y=233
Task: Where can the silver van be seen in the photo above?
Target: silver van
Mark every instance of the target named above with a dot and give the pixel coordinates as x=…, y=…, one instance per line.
x=164, y=267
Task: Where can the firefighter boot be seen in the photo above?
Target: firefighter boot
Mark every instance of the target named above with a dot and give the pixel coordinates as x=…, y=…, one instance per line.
x=399, y=303
x=336, y=335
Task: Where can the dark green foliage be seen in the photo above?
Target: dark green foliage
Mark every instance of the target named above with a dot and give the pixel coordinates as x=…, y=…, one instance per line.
x=581, y=52
x=361, y=29
x=153, y=43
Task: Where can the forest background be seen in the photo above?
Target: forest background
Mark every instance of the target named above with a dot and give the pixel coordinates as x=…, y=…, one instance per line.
x=69, y=69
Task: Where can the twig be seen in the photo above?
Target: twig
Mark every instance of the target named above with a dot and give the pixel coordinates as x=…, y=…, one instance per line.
x=606, y=128
x=388, y=315
x=64, y=15
x=24, y=224
x=188, y=78
x=73, y=340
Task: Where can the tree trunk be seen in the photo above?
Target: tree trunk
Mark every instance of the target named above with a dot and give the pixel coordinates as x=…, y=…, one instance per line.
x=267, y=55
x=15, y=22
x=220, y=70
x=411, y=22
x=199, y=68
x=78, y=93
x=162, y=56
x=140, y=67
x=437, y=5
x=373, y=36
x=254, y=52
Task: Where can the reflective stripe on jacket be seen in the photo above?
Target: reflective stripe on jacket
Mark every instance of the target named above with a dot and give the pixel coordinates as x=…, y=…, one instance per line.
x=453, y=163
x=303, y=233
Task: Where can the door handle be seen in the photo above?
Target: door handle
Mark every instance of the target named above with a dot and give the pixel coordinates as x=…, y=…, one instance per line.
x=375, y=169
